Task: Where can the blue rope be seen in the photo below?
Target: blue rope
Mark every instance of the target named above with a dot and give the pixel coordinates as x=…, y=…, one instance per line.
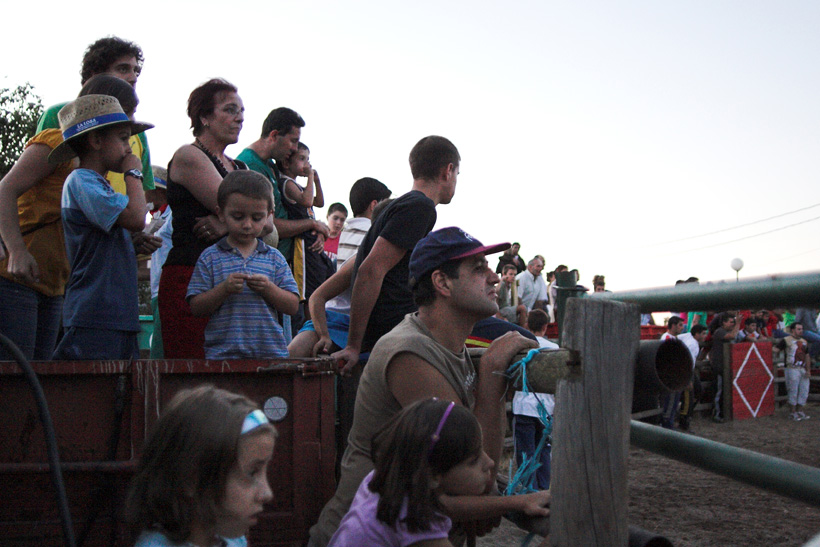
x=523, y=482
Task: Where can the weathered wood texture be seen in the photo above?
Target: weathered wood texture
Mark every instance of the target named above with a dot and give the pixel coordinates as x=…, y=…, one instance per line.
x=591, y=431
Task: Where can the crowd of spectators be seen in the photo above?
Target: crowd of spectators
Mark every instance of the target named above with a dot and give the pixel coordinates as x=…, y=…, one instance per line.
x=241, y=268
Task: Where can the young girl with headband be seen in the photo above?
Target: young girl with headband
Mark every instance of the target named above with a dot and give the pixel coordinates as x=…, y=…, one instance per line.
x=202, y=478
x=429, y=450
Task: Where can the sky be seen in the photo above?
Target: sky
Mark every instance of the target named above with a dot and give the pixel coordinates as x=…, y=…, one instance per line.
x=646, y=141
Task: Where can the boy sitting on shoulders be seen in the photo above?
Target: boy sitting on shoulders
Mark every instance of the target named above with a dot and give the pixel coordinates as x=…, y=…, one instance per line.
x=240, y=281
x=100, y=310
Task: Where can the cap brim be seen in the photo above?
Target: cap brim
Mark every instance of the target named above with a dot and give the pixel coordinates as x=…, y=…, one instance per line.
x=63, y=152
x=486, y=249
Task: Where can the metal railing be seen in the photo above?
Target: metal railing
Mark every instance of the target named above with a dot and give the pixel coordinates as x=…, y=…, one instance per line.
x=783, y=477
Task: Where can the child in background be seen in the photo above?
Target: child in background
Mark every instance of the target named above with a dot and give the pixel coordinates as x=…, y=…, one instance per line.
x=202, y=479
x=100, y=313
x=527, y=425
x=430, y=450
x=309, y=196
x=336, y=217
x=311, y=267
x=240, y=281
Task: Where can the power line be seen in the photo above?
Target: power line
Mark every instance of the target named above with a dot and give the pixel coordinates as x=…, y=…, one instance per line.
x=748, y=237
x=790, y=257
x=736, y=227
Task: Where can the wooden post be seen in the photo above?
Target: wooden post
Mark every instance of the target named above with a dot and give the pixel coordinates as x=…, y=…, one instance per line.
x=590, y=497
x=514, y=293
x=728, y=380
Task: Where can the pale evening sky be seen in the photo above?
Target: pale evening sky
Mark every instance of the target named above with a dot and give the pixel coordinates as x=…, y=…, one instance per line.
x=598, y=134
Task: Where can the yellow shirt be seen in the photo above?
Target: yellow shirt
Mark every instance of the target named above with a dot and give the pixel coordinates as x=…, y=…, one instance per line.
x=39, y=211
x=116, y=179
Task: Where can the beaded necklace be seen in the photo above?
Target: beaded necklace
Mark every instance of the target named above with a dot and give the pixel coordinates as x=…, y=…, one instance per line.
x=214, y=158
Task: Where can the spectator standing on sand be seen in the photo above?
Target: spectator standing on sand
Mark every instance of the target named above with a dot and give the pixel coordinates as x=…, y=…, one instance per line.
x=808, y=318
x=670, y=400
x=723, y=335
x=798, y=371
x=692, y=340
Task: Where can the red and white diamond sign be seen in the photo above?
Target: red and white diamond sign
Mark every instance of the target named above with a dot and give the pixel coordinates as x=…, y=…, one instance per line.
x=753, y=384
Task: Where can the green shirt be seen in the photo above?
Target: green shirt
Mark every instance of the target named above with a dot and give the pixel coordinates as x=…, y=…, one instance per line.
x=267, y=168
x=788, y=319
x=49, y=120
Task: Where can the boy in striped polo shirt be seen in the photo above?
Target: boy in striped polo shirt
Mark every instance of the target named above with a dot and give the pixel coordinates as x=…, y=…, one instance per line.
x=240, y=281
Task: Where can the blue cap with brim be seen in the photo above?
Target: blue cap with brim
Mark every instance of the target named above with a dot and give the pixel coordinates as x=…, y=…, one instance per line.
x=443, y=245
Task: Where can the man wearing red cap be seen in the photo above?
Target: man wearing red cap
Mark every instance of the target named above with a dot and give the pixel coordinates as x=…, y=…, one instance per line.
x=425, y=356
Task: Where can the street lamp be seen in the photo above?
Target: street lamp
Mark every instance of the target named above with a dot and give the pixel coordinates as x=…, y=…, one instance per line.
x=737, y=265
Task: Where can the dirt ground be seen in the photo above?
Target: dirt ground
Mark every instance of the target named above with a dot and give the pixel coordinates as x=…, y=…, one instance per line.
x=695, y=508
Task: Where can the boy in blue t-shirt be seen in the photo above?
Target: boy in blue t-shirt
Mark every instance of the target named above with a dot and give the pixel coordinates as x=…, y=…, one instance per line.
x=100, y=311
x=240, y=281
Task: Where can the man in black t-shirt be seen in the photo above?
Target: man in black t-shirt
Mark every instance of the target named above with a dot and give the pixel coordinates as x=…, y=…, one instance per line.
x=381, y=294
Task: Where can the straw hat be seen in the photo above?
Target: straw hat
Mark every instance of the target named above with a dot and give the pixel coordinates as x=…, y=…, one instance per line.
x=89, y=113
x=160, y=177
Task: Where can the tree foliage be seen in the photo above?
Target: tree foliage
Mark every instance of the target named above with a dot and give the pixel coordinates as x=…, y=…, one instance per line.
x=20, y=108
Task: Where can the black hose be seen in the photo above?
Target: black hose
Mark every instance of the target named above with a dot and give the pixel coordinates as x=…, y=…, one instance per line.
x=50, y=436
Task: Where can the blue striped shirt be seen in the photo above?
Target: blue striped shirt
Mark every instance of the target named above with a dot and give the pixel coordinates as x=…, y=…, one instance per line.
x=245, y=326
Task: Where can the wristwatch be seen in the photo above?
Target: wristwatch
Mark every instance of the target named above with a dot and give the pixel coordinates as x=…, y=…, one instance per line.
x=136, y=173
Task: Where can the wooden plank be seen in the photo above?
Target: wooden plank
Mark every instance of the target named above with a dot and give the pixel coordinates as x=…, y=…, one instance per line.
x=592, y=416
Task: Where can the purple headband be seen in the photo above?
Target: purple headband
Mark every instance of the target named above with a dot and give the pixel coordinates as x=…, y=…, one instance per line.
x=437, y=435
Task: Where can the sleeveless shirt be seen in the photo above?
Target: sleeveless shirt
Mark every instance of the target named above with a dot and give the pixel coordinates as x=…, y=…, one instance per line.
x=376, y=405
x=186, y=245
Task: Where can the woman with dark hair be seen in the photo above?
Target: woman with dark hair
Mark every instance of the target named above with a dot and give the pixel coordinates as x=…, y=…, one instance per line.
x=34, y=274
x=194, y=175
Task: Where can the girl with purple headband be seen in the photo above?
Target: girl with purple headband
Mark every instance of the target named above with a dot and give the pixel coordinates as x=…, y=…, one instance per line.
x=429, y=450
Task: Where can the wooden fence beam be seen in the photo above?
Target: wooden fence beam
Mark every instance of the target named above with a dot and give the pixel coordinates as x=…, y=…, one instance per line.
x=590, y=496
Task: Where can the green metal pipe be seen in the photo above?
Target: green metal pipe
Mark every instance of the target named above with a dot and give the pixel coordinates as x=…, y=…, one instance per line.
x=794, y=290
x=783, y=477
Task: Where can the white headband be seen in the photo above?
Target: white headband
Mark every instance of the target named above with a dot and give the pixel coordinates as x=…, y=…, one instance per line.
x=254, y=420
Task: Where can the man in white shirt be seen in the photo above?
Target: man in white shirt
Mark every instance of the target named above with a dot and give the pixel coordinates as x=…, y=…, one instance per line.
x=671, y=400
x=674, y=327
x=532, y=289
